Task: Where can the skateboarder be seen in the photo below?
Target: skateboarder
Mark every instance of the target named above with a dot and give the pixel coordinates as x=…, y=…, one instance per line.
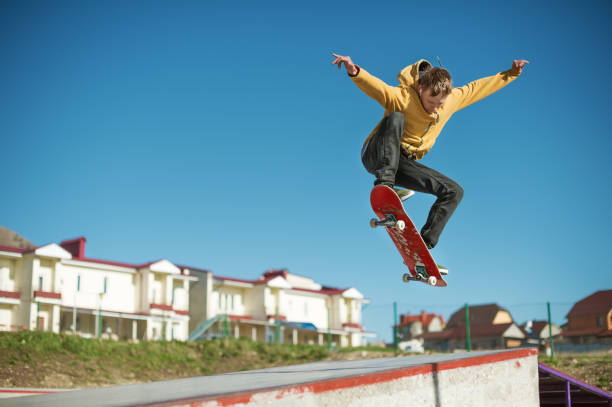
x=415, y=113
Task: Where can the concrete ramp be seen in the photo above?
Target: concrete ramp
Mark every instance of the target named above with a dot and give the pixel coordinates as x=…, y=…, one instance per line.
x=500, y=378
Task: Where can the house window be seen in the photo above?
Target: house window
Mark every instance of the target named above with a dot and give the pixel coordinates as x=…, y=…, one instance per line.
x=40, y=283
x=105, y=284
x=600, y=321
x=78, y=282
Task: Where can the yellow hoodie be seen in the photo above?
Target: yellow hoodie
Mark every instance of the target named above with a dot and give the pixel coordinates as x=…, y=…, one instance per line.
x=422, y=128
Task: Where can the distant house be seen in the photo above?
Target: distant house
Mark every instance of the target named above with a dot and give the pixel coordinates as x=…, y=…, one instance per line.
x=412, y=326
x=491, y=327
x=538, y=332
x=590, y=320
x=280, y=304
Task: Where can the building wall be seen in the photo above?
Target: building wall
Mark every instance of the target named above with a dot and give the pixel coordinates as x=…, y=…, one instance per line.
x=121, y=290
x=254, y=303
x=303, y=307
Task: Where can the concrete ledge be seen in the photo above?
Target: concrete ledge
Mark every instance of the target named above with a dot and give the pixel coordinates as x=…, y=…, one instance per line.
x=501, y=378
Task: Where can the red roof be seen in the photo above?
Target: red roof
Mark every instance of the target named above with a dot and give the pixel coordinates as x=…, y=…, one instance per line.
x=241, y=280
x=274, y=273
x=476, y=331
x=14, y=249
x=536, y=327
x=597, y=303
x=269, y=275
x=424, y=318
x=479, y=314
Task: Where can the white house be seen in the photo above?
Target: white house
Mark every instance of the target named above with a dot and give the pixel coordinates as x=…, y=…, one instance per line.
x=57, y=288
x=292, y=307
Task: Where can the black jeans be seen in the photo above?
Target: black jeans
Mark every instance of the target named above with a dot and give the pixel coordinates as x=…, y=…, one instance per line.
x=384, y=158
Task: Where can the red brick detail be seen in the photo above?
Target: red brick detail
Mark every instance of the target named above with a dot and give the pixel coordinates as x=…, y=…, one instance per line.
x=181, y=312
x=10, y=294
x=76, y=247
x=351, y=325
x=280, y=317
x=162, y=307
x=45, y=294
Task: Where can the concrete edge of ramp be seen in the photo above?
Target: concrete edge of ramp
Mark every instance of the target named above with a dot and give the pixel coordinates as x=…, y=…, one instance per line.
x=433, y=369
x=507, y=377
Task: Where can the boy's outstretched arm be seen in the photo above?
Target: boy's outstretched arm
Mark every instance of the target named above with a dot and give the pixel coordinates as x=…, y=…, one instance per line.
x=388, y=96
x=481, y=88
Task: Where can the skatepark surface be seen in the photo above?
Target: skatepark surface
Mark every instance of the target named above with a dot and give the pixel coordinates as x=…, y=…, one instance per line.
x=501, y=378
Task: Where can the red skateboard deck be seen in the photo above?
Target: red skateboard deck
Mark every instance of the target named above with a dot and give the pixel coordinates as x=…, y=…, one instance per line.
x=407, y=239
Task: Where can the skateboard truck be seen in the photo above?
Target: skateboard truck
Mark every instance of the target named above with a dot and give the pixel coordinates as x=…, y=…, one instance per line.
x=390, y=221
x=421, y=275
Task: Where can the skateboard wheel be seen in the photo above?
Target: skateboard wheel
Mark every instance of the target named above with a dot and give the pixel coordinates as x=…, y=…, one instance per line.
x=400, y=225
x=406, y=278
x=373, y=223
x=432, y=280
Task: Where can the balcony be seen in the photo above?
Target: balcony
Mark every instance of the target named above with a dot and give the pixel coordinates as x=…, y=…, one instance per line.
x=10, y=297
x=47, y=296
x=160, y=308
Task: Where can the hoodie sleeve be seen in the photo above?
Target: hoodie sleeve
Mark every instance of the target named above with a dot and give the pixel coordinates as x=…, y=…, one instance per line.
x=388, y=96
x=481, y=88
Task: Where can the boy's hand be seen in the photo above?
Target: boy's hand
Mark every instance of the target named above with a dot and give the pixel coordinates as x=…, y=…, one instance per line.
x=518, y=65
x=351, y=69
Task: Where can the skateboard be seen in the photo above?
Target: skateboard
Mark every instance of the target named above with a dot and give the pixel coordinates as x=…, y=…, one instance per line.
x=407, y=239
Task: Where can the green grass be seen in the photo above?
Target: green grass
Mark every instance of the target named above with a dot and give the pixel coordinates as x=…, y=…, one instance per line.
x=97, y=360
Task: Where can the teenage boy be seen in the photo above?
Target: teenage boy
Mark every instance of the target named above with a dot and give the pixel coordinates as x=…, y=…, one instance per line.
x=415, y=113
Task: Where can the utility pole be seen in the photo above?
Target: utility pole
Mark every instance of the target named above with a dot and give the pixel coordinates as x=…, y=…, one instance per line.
x=74, y=312
x=277, y=323
x=329, y=338
x=550, y=336
x=100, y=315
x=395, y=344
x=468, y=339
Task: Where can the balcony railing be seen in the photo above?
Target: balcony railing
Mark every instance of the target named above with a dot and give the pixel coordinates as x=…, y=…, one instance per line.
x=163, y=307
x=10, y=294
x=47, y=294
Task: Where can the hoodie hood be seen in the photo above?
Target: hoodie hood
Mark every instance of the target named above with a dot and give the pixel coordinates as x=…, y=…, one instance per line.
x=410, y=75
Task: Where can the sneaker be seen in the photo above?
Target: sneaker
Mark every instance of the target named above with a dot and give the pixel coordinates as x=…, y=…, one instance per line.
x=403, y=194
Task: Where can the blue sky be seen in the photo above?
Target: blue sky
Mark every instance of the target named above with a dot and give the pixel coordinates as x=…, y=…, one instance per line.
x=219, y=135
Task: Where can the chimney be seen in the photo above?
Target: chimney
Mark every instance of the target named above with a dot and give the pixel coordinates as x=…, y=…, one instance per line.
x=76, y=247
x=274, y=273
